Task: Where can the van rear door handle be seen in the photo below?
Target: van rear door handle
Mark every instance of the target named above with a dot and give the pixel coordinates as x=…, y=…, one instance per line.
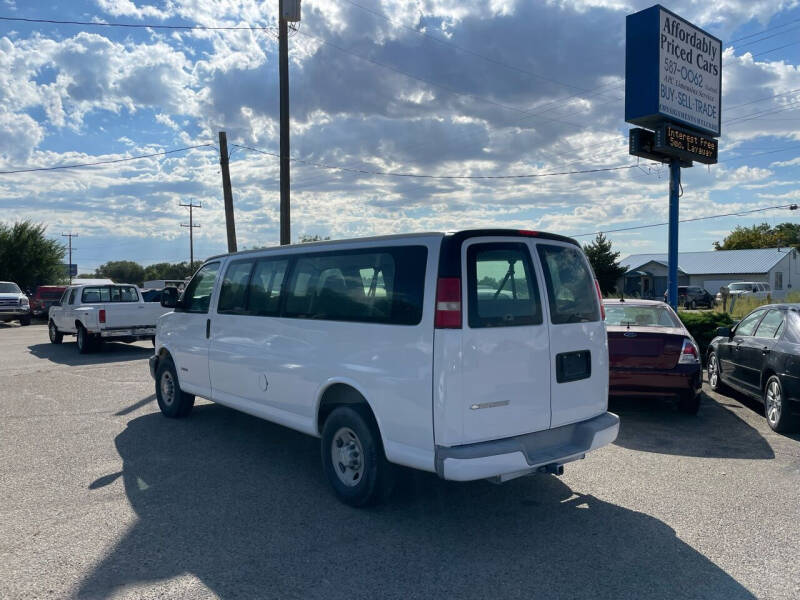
x=208, y=328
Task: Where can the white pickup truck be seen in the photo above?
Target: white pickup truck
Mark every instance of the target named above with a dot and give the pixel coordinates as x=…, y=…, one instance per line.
x=94, y=313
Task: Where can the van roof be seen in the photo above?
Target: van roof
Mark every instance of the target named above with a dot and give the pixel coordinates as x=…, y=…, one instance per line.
x=466, y=233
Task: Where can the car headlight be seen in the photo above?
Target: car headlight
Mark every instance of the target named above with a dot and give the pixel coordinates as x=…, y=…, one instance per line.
x=24, y=302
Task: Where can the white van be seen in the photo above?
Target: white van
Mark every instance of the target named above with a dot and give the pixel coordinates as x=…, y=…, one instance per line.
x=477, y=354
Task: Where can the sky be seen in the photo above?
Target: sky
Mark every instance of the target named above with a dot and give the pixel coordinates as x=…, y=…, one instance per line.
x=428, y=87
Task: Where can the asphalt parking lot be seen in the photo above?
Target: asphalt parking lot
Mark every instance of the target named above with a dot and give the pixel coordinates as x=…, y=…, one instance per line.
x=102, y=497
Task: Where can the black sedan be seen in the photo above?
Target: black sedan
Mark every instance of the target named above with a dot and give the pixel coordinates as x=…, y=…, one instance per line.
x=760, y=356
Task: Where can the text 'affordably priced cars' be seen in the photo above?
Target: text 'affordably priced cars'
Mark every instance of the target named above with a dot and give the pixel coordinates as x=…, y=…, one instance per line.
x=760, y=357
x=97, y=313
x=478, y=354
x=652, y=353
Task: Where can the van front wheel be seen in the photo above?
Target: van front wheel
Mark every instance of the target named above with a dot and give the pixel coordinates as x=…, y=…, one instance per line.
x=353, y=458
x=172, y=400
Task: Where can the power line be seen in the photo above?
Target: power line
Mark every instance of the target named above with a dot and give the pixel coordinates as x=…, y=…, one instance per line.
x=139, y=25
x=426, y=176
x=734, y=214
x=104, y=162
x=745, y=37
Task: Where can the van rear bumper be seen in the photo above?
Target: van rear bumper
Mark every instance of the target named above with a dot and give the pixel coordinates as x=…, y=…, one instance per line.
x=522, y=454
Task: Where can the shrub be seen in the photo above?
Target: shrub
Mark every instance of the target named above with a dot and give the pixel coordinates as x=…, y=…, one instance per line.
x=703, y=326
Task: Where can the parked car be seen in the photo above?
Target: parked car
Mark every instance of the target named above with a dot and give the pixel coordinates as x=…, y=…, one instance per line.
x=473, y=355
x=94, y=313
x=755, y=289
x=14, y=304
x=44, y=297
x=760, y=357
x=651, y=353
x=692, y=296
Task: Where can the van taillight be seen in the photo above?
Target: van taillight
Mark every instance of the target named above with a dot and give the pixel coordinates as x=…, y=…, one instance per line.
x=448, y=303
x=102, y=315
x=600, y=299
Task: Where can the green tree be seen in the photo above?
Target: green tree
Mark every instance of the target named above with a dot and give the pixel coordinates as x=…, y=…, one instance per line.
x=121, y=271
x=28, y=258
x=305, y=238
x=166, y=270
x=761, y=236
x=605, y=263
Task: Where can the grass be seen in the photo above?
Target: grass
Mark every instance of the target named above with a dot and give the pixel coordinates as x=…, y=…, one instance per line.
x=747, y=304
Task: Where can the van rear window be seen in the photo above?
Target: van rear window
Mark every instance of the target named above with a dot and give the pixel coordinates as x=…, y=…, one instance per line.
x=375, y=285
x=570, y=285
x=502, y=286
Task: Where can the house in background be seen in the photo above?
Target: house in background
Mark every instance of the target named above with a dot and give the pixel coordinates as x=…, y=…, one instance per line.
x=646, y=274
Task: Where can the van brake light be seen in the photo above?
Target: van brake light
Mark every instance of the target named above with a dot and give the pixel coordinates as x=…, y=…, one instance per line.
x=600, y=299
x=448, y=303
x=102, y=316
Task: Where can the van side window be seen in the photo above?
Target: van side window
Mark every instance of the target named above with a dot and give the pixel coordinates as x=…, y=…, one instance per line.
x=265, y=287
x=374, y=285
x=502, y=286
x=197, y=295
x=233, y=291
x=570, y=285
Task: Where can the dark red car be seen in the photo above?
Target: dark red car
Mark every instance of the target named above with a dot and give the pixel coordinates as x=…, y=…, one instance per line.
x=651, y=353
x=44, y=297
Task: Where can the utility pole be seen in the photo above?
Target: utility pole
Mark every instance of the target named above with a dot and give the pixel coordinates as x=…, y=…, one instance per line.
x=227, y=194
x=288, y=10
x=191, y=227
x=69, y=264
x=672, y=241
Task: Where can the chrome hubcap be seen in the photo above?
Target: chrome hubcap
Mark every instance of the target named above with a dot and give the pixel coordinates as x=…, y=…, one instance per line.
x=347, y=456
x=773, y=402
x=167, y=388
x=712, y=372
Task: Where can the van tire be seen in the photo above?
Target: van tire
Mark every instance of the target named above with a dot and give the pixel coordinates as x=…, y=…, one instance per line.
x=56, y=337
x=370, y=475
x=172, y=400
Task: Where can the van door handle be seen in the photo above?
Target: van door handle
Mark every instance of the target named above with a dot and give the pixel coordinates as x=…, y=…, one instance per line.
x=208, y=328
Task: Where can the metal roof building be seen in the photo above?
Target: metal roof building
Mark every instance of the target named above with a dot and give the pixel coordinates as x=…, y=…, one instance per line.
x=647, y=273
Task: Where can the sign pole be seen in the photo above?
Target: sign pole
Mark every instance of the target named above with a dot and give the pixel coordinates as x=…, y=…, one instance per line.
x=672, y=248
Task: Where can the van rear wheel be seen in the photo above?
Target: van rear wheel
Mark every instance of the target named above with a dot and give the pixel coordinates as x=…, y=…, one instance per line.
x=353, y=458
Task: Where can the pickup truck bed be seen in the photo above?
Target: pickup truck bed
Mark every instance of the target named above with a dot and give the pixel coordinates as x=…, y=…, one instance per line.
x=108, y=312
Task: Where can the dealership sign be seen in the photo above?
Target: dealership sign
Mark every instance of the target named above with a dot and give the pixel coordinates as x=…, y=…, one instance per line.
x=673, y=72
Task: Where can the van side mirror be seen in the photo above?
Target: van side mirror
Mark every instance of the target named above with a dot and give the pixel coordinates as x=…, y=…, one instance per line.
x=724, y=332
x=170, y=298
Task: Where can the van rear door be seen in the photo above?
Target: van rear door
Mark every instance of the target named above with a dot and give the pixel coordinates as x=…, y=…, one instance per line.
x=578, y=343
x=505, y=349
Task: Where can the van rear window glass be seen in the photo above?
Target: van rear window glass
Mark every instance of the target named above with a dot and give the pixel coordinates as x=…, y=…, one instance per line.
x=570, y=285
x=375, y=285
x=502, y=286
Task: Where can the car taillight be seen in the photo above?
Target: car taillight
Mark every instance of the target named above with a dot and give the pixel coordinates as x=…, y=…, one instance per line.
x=448, y=303
x=600, y=299
x=689, y=353
x=102, y=315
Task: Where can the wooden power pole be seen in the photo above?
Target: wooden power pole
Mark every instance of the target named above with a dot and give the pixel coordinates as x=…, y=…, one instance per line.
x=227, y=194
x=191, y=227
